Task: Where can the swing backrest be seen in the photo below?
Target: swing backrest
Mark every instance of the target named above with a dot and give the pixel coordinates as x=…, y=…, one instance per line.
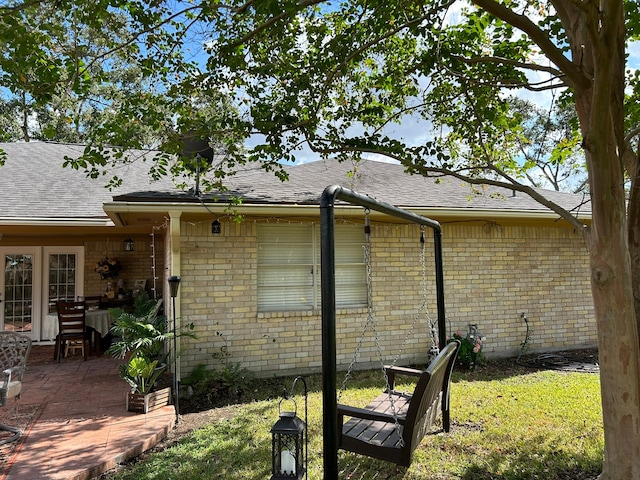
x=430, y=397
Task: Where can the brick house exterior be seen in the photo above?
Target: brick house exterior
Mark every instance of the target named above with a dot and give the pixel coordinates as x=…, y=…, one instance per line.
x=504, y=254
x=492, y=275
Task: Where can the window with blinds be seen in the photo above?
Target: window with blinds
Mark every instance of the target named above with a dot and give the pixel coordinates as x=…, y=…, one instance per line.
x=289, y=267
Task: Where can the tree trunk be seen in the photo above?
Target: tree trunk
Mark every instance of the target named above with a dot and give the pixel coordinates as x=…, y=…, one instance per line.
x=596, y=32
x=613, y=295
x=618, y=353
x=633, y=221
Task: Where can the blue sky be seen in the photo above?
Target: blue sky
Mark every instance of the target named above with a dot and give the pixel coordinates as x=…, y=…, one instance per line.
x=416, y=132
x=634, y=55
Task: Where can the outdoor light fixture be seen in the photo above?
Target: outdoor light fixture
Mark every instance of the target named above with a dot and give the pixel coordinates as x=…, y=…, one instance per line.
x=174, y=283
x=289, y=442
x=128, y=245
x=216, y=227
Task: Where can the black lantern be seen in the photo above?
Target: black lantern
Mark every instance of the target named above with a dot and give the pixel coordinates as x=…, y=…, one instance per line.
x=128, y=245
x=289, y=443
x=216, y=227
x=174, y=283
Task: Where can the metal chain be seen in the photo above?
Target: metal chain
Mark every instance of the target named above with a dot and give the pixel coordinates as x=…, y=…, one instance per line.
x=371, y=323
x=435, y=348
x=370, y=320
x=370, y=316
x=423, y=307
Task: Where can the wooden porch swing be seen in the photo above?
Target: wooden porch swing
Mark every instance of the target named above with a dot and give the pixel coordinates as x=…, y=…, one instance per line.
x=394, y=423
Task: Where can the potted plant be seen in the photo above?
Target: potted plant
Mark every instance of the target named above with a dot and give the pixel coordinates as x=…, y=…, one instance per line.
x=140, y=337
x=470, y=353
x=142, y=373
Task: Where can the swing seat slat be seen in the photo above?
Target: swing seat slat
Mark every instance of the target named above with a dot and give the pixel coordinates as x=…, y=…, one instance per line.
x=372, y=430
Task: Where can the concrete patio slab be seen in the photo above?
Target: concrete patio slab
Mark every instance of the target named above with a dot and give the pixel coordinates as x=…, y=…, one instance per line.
x=82, y=428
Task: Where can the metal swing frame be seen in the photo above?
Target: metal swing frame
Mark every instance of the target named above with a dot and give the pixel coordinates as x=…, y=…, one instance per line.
x=328, y=199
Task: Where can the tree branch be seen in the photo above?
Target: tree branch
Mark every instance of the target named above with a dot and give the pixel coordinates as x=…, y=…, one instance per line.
x=409, y=23
x=272, y=21
x=574, y=76
x=507, y=61
x=136, y=36
x=426, y=171
x=18, y=7
x=631, y=134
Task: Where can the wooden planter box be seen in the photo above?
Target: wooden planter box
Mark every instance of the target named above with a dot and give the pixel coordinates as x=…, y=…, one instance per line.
x=137, y=402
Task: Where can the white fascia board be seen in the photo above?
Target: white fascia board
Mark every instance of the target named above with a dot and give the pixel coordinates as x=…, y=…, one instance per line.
x=490, y=213
x=56, y=222
x=114, y=209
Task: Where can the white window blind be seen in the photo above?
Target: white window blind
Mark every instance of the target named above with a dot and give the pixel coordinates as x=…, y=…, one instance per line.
x=289, y=267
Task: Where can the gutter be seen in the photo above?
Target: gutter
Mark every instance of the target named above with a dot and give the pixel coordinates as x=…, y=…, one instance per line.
x=115, y=209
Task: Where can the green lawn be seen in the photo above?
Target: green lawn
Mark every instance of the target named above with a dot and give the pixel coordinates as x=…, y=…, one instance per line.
x=512, y=423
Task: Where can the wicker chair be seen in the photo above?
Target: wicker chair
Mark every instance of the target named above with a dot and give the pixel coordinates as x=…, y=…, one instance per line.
x=14, y=350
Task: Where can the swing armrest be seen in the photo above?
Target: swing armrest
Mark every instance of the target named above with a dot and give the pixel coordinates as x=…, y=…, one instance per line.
x=392, y=371
x=366, y=414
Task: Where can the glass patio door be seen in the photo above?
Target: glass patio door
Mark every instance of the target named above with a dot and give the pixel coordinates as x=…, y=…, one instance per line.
x=19, y=290
x=63, y=279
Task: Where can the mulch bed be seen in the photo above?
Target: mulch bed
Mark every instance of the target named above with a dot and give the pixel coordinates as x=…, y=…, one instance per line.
x=585, y=360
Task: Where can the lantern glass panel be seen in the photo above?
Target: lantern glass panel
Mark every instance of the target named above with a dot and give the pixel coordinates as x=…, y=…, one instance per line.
x=288, y=447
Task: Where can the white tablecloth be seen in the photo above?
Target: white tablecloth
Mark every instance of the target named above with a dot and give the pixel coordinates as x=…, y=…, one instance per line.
x=100, y=320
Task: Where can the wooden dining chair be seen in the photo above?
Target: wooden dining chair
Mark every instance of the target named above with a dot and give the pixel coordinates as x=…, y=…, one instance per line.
x=72, y=329
x=93, y=302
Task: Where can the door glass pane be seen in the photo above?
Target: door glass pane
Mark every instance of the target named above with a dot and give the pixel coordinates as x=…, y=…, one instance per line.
x=18, y=296
x=62, y=279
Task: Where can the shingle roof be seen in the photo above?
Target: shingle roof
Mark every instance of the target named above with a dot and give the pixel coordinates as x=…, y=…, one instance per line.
x=389, y=183
x=34, y=184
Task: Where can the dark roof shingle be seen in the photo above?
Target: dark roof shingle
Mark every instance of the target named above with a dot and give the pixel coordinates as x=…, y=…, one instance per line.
x=34, y=184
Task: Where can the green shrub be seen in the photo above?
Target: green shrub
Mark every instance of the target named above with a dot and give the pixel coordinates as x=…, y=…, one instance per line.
x=470, y=353
x=221, y=386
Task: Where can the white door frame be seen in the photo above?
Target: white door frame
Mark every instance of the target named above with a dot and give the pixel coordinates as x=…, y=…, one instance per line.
x=36, y=294
x=46, y=318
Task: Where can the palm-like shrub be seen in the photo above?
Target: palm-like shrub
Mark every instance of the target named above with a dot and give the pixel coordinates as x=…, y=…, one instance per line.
x=141, y=336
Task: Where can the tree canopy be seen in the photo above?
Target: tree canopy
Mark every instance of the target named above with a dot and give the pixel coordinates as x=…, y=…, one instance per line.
x=429, y=84
x=107, y=73
x=425, y=83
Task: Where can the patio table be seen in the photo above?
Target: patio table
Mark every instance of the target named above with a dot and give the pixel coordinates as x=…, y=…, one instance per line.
x=99, y=320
